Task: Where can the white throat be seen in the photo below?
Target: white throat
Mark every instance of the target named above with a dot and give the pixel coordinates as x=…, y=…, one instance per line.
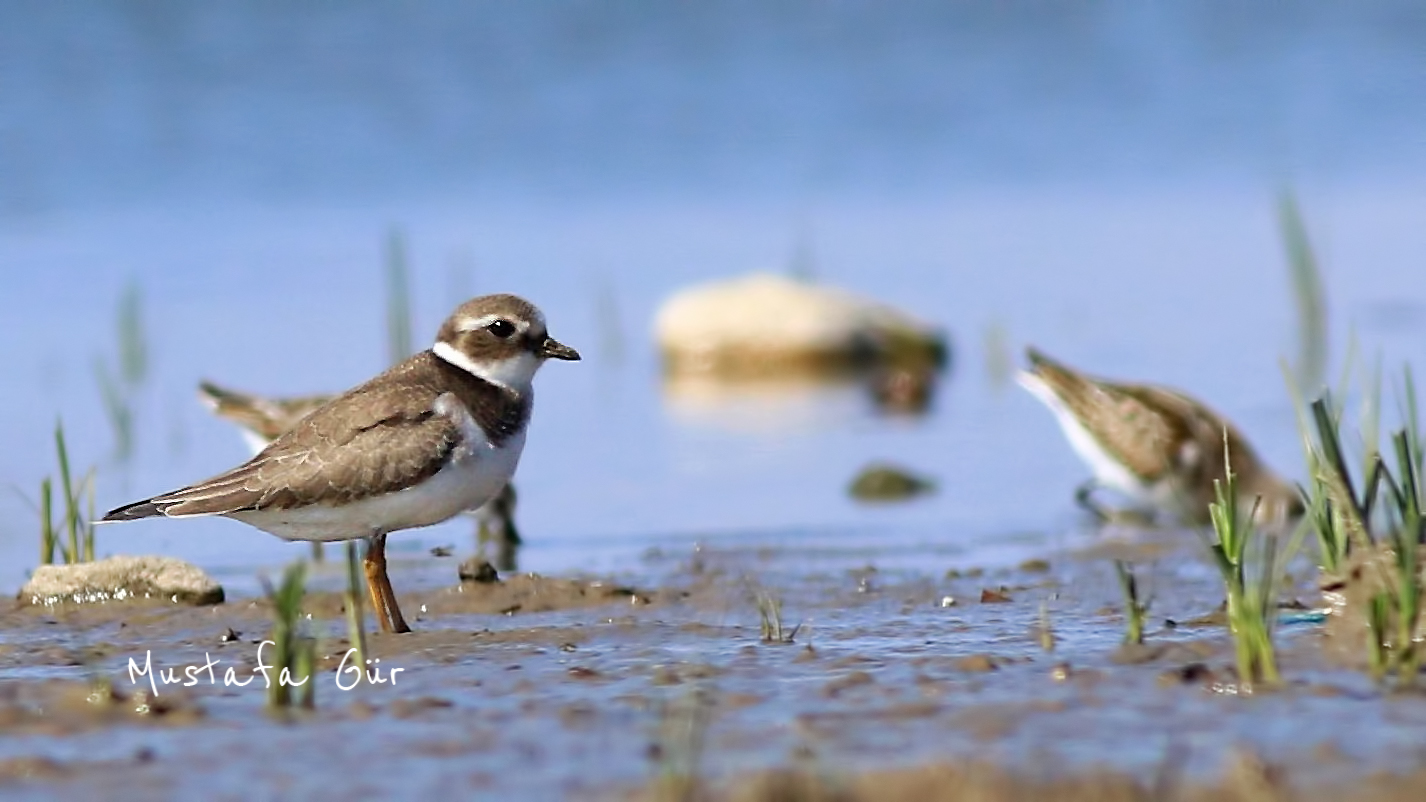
x=513, y=373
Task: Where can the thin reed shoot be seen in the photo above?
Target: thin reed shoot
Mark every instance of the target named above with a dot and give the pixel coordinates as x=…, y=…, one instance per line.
x=679, y=748
x=133, y=346
x=118, y=408
x=398, y=299
x=356, y=624
x=1136, y=609
x=119, y=385
x=1309, y=296
x=294, y=650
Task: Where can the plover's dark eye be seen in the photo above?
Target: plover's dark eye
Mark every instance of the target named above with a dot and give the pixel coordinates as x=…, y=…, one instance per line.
x=501, y=328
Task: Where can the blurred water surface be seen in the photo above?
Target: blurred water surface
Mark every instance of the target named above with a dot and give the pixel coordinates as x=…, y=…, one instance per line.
x=1098, y=179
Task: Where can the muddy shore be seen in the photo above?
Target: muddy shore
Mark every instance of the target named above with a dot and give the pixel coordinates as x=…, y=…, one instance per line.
x=610, y=687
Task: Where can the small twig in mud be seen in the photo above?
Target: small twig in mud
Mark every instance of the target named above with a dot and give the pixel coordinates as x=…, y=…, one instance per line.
x=1046, y=633
x=771, y=628
x=1135, y=610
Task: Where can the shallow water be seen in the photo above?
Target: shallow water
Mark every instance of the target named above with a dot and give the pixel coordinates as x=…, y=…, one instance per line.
x=1100, y=183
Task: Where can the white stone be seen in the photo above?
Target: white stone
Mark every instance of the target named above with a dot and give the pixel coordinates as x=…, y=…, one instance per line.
x=121, y=578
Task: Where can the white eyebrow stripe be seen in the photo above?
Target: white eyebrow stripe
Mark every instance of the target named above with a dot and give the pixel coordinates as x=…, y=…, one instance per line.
x=472, y=324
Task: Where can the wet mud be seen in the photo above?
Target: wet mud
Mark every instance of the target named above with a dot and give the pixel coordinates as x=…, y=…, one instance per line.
x=660, y=683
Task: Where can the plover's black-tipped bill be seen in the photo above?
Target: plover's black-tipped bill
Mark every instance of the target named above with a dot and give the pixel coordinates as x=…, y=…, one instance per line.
x=553, y=349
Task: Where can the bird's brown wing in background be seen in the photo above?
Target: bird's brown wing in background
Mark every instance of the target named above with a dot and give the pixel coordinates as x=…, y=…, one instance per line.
x=1125, y=419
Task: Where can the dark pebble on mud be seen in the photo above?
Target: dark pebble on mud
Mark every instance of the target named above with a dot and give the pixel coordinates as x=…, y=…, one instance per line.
x=479, y=570
x=1191, y=674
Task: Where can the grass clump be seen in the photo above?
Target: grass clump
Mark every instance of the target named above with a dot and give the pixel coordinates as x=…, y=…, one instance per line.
x=770, y=626
x=1250, y=600
x=295, y=651
x=1370, y=532
x=73, y=538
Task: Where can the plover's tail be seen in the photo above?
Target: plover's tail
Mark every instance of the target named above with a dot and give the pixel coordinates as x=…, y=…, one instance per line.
x=132, y=512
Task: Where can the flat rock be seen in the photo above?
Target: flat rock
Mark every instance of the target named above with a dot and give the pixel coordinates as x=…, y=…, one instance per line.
x=121, y=578
x=764, y=325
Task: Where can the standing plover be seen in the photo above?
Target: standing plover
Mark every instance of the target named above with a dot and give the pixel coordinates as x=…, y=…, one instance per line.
x=1155, y=445
x=262, y=419
x=435, y=435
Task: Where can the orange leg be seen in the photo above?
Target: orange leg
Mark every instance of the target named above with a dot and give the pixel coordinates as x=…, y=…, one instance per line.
x=383, y=598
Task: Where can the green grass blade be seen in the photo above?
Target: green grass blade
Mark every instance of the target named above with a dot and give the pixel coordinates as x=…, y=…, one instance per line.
x=71, y=504
x=117, y=408
x=133, y=349
x=1308, y=292
x=356, y=622
x=48, y=537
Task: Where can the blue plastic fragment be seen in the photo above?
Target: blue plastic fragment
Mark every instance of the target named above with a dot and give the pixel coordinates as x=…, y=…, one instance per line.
x=1308, y=617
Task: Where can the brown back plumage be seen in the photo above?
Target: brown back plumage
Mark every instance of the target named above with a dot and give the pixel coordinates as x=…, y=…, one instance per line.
x=380, y=437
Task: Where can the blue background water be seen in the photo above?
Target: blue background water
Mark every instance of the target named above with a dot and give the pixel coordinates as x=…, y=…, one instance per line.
x=1098, y=179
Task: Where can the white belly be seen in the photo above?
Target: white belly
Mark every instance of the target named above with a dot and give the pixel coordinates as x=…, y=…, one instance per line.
x=471, y=479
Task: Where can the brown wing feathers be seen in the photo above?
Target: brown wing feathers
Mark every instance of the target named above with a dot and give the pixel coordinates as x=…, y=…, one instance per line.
x=381, y=437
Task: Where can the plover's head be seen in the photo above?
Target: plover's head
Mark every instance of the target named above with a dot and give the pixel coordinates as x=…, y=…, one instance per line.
x=500, y=338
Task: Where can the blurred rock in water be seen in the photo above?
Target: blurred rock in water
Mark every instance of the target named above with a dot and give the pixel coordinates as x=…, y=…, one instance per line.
x=765, y=325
